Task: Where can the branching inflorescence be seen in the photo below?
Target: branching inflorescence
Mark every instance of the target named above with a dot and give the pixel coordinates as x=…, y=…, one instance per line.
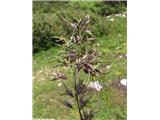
x=80, y=54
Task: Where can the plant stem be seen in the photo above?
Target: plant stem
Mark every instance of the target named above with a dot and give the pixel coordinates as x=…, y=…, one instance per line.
x=76, y=95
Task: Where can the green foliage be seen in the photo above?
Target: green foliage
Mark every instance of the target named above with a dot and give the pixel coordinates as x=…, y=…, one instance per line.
x=45, y=27
x=45, y=93
x=111, y=7
x=77, y=56
x=111, y=39
x=48, y=22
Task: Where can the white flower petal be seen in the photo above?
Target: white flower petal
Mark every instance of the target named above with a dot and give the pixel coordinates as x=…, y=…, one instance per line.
x=59, y=84
x=111, y=19
x=120, y=56
x=109, y=66
x=95, y=85
x=124, y=82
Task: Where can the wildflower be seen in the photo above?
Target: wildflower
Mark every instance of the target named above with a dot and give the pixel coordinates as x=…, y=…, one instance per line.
x=121, y=14
x=109, y=16
x=59, y=84
x=120, y=56
x=95, y=85
x=40, y=71
x=124, y=82
x=118, y=15
x=109, y=66
x=111, y=19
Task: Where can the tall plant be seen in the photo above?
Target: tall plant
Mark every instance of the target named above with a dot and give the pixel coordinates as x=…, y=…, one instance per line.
x=80, y=55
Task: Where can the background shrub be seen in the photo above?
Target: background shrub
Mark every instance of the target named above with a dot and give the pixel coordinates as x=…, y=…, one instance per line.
x=48, y=22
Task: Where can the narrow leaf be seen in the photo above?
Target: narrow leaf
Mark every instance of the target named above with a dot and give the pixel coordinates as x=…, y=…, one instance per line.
x=68, y=91
x=66, y=103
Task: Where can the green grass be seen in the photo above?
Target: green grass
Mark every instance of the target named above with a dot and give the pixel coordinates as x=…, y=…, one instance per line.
x=111, y=104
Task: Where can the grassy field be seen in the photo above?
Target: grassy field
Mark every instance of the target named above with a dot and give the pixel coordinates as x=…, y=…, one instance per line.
x=111, y=100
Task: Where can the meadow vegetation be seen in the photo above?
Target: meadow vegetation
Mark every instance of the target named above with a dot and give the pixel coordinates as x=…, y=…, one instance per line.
x=110, y=30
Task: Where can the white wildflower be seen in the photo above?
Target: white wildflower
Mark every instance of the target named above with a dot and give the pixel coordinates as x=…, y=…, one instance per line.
x=120, y=56
x=111, y=19
x=118, y=15
x=95, y=85
x=40, y=71
x=109, y=66
x=124, y=82
x=109, y=16
x=59, y=84
x=123, y=15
